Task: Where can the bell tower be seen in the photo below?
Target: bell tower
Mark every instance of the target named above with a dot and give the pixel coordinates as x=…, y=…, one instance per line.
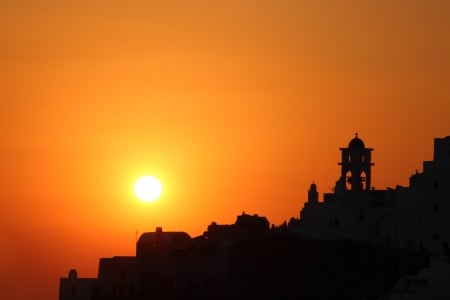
x=356, y=166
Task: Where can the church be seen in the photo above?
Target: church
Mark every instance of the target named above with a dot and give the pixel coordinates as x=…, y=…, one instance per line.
x=415, y=217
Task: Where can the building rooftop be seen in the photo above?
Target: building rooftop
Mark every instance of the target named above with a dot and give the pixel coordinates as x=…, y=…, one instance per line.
x=356, y=142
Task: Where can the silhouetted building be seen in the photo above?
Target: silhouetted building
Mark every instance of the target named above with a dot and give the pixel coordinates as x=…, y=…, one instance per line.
x=421, y=212
x=429, y=283
x=166, y=265
x=117, y=278
x=377, y=240
x=246, y=226
x=76, y=288
x=416, y=217
x=355, y=168
x=269, y=266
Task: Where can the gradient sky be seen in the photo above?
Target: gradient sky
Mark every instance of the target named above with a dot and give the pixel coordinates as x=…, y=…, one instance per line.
x=235, y=105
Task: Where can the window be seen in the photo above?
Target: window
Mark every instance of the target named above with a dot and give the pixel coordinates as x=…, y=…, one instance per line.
x=348, y=180
x=363, y=176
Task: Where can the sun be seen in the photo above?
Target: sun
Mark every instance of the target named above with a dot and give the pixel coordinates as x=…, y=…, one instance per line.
x=148, y=188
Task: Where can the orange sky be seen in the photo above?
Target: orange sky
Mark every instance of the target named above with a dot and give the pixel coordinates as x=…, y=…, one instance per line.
x=235, y=105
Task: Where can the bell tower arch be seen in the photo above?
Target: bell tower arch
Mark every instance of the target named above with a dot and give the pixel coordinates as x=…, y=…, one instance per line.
x=356, y=166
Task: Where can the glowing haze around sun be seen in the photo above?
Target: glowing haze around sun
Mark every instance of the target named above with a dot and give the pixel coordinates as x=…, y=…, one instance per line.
x=148, y=188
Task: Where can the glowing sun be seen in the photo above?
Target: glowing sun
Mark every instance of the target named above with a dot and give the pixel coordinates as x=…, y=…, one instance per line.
x=148, y=188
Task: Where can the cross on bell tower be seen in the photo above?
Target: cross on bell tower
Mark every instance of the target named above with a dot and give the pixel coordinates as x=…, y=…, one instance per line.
x=356, y=166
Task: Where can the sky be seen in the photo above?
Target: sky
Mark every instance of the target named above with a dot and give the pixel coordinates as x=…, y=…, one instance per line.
x=234, y=105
